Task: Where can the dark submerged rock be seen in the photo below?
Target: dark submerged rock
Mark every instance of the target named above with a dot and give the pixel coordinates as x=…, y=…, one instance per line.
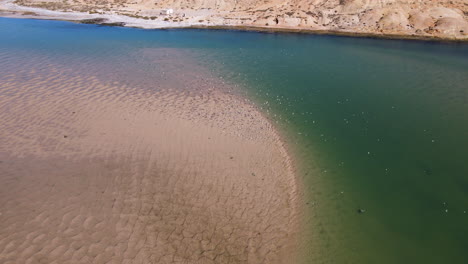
x=102, y=22
x=93, y=21
x=114, y=24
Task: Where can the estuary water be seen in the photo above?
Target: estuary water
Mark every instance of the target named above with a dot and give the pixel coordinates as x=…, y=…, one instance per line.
x=378, y=128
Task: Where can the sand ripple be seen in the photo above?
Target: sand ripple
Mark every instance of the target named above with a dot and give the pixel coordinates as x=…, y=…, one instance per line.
x=95, y=171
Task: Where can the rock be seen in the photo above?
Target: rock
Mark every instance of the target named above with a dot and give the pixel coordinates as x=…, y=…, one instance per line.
x=451, y=26
x=420, y=21
x=93, y=21
x=394, y=21
x=114, y=24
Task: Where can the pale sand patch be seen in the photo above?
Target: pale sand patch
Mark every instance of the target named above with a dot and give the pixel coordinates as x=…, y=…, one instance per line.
x=98, y=173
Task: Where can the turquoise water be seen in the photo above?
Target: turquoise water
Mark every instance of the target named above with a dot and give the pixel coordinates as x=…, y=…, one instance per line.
x=379, y=125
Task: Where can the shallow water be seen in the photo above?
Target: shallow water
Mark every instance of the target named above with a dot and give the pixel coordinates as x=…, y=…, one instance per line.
x=385, y=124
x=138, y=157
x=380, y=125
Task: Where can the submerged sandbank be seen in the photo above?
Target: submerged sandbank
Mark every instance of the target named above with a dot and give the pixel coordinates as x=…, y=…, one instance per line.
x=100, y=171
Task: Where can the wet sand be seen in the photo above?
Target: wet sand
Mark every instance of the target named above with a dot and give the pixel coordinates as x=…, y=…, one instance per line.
x=103, y=172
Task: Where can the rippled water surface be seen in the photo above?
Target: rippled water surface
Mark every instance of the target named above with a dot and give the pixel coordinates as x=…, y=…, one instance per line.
x=377, y=125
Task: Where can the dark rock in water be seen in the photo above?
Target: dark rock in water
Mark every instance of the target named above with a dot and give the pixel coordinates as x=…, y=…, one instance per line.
x=93, y=21
x=114, y=24
x=361, y=211
x=102, y=22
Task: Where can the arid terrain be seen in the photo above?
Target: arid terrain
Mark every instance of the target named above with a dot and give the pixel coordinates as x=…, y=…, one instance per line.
x=97, y=171
x=442, y=19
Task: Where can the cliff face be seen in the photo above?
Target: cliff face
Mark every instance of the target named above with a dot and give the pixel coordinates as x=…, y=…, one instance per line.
x=439, y=18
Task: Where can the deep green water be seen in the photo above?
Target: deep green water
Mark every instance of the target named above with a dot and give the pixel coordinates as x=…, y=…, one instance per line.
x=380, y=125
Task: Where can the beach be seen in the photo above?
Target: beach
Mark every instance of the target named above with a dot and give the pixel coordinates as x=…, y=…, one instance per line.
x=99, y=171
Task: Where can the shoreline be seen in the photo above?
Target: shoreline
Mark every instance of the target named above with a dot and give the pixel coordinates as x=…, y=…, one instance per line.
x=10, y=10
x=330, y=33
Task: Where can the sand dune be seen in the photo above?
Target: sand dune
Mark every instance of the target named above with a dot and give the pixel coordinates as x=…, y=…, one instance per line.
x=102, y=172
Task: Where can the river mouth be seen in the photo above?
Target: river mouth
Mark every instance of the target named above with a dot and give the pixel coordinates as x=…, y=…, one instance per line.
x=377, y=129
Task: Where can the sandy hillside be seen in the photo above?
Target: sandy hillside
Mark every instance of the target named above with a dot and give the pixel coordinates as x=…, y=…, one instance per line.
x=424, y=18
x=104, y=172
